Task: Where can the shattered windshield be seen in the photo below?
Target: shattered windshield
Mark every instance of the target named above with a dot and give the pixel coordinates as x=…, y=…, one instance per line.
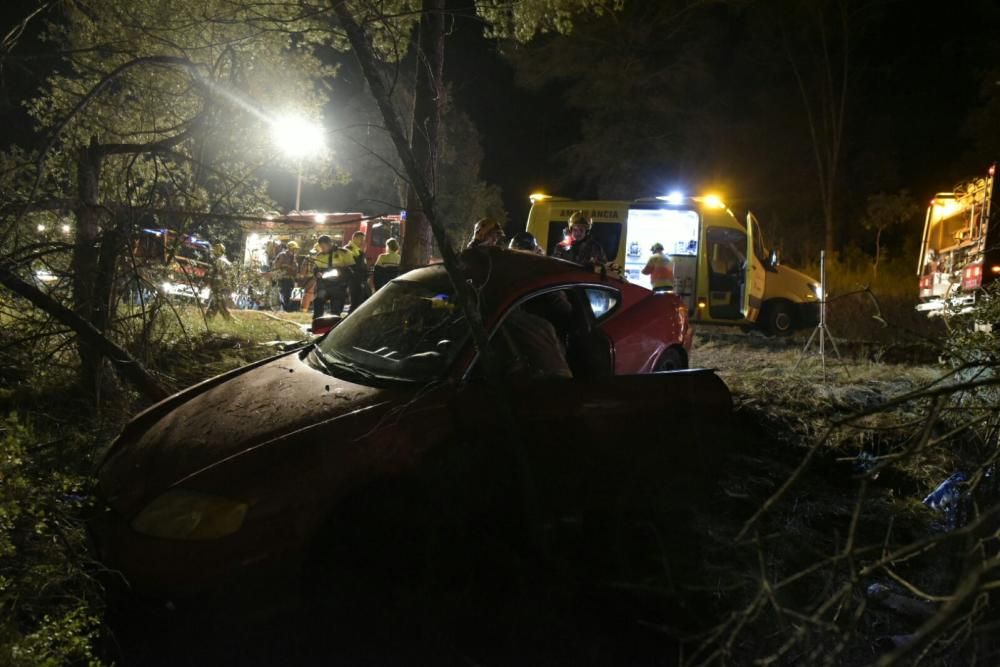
x=409, y=331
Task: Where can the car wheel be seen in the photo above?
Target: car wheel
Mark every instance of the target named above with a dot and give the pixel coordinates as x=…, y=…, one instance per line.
x=672, y=359
x=778, y=318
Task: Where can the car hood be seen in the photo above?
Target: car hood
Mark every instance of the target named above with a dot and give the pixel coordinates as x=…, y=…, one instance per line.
x=264, y=405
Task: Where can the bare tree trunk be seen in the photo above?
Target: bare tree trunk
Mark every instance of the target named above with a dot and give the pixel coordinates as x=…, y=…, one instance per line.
x=496, y=380
x=428, y=92
x=107, y=265
x=123, y=362
x=85, y=258
x=826, y=114
x=878, y=251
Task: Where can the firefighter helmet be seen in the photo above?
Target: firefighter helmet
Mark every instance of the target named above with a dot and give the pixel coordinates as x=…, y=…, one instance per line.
x=523, y=241
x=483, y=229
x=579, y=218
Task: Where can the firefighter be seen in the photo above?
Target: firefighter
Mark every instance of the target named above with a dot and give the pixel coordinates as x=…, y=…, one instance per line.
x=487, y=232
x=578, y=245
x=358, y=282
x=285, y=268
x=218, y=283
x=329, y=256
x=660, y=270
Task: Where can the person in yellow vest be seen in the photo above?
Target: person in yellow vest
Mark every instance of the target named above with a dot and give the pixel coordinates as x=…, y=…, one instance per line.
x=660, y=270
x=386, y=265
x=331, y=268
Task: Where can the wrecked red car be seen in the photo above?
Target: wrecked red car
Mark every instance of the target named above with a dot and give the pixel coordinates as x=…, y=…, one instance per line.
x=237, y=478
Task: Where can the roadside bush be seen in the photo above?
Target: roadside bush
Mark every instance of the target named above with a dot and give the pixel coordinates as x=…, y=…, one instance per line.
x=860, y=517
x=49, y=605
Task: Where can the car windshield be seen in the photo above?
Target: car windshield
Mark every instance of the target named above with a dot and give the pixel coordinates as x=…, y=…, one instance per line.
x=408, y=331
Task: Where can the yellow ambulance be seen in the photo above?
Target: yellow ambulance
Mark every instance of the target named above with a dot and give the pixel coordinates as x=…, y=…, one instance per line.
x=709, y=247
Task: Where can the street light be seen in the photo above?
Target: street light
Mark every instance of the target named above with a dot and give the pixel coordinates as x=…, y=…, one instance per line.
x=299, y=138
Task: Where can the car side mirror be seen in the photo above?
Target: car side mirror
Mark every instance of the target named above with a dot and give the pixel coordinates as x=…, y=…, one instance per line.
x=773, y=260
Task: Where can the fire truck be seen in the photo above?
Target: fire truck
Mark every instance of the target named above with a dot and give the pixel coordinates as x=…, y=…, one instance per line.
x=176, y=264
x=960, y=250
x=261, y=237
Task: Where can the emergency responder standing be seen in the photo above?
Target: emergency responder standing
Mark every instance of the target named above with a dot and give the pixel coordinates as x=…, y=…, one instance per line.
x=579, y=246
x=218, y=283
x=660, y=270
x=359, y=271
x=487, y=232
x=331, y=264
x=285, y=269
x=386, y=265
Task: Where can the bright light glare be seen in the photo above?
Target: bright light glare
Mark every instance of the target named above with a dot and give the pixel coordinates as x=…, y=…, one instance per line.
x=297, y=136
x=320, y=218
x=65, y=229
x=537, y=197
x=713, y=201
x=945, y=207
x=40, y=228
x=676, y=197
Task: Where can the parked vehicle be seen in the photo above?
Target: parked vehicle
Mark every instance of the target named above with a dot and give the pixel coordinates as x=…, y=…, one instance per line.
x=261, y=236
x=709, y=248
x=960, y=250
x=175, y=264
x=238, y=478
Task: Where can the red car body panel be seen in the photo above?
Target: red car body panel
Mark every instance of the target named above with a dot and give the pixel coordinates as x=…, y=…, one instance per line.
x=290, y=440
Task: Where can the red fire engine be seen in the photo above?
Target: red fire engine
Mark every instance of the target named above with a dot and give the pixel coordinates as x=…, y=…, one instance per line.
x=960, y=251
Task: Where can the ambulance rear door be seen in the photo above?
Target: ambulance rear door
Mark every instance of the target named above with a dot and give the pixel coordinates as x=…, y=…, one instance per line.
x=756, y=274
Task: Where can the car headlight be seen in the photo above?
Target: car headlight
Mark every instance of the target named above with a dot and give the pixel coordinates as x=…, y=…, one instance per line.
x=816, y=292
x=181, y=514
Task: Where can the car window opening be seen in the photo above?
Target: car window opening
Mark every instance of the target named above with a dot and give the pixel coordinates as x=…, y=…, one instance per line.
x=550, y=336
x=408, y=331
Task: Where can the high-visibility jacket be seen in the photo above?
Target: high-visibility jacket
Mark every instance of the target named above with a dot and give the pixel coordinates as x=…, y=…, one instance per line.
x=387, y=259
x=355, y=251
x=660, y=270
x=334, y=259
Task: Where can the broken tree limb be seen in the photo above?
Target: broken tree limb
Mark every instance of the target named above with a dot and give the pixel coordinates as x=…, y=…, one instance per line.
x=126, y=365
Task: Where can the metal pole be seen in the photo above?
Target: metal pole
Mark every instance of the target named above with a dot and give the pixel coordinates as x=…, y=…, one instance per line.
x=822, y=310
x=298, y=188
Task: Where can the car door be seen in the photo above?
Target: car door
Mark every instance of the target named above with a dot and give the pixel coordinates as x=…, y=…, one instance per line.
x=602, y=444
x=726, y=256
x=756, y=273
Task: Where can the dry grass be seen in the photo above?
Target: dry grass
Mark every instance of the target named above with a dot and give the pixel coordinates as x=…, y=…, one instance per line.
x=825, y=483
x=189, y=348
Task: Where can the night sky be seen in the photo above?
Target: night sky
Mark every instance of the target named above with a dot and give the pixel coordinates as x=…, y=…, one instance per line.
x=921, y=80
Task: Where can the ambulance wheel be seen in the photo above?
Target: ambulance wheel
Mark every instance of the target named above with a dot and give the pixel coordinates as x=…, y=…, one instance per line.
x=672, y=359
x=777, y=318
